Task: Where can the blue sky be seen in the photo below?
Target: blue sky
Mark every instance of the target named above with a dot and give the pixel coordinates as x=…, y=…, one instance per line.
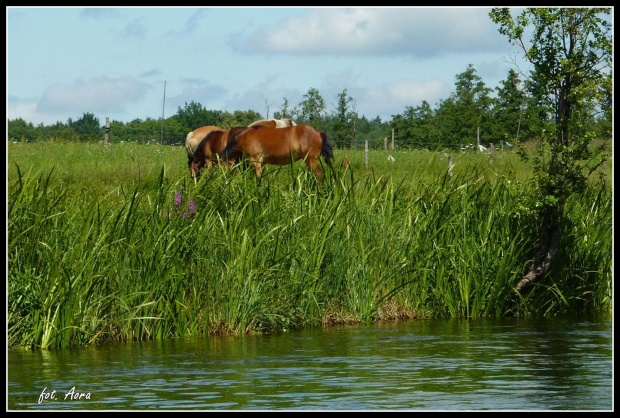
x=113, y=62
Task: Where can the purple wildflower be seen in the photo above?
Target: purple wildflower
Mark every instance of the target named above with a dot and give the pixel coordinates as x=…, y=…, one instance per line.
x=166, y=215
x=177, y=198
x=185, y=214
x=192, y=207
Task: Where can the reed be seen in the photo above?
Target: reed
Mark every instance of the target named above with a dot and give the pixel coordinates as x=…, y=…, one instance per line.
x=162, y=256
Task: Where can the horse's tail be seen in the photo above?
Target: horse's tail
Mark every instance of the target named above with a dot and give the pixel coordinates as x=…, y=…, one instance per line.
x=326, y=148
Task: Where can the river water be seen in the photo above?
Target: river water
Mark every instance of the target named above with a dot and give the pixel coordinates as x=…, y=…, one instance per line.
x=503, y=364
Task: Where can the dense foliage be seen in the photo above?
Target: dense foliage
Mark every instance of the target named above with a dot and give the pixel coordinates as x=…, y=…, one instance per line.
x=117, y=243
x=471, y=113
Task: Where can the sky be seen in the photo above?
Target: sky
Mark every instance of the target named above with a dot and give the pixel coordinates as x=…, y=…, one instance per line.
x=139, y=63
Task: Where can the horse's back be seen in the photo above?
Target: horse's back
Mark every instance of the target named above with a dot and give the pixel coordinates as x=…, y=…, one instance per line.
x=194, y=138
x=268, y=123
x=274, y=123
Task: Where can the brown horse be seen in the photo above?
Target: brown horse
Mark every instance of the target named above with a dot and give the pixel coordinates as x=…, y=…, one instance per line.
x=193, y=139
x=280, y=146
x=211, y=145
x=274, y=123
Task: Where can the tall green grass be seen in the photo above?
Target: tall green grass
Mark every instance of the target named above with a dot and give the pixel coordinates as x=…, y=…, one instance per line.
x=284, y=251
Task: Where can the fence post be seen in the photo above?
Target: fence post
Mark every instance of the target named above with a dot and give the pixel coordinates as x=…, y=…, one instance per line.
x=385, y=143
x=107, y=130
x=478, y=139
x=366, y=153
x=450, y=165
x=491, y=152
x=392, y=138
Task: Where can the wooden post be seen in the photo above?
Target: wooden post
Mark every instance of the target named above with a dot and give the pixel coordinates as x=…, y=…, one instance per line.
x=162, y=115
x=366, y=153
x=107, y=130
x=450, y=165
x=478, y=138
x=385, y=143
x=354, y=136
x=392, y=138
x=491, y=152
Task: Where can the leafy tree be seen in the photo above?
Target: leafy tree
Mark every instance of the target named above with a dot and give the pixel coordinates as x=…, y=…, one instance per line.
x=448, y=123
x=343, y=119
x=466, y=110
x=284, y=112
x=570, y=50
x=239, y=118
x=417, y=126
x=87, y=127
x=64, y=133
x=20, y=130
x=311, y=110
x=194, y=115
x=508, y=110
x=174, y=132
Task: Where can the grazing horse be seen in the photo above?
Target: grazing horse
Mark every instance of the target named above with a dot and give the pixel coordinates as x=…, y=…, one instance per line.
x=280, y=146
x=275, y=123
x=193, y=139
x=211, y=145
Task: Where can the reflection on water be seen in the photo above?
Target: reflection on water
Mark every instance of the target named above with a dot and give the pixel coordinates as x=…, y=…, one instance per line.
x=420, y=364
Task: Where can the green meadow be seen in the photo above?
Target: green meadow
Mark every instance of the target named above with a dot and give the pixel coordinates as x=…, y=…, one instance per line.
x=118, y=243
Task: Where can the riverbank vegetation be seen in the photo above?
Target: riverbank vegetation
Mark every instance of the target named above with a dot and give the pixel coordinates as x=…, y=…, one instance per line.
x=118, y=244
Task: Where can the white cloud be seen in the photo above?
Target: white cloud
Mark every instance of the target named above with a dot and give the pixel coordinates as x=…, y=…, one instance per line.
x=391, y=99
x=200, y=91
x=107, y=93
x=28, y=112
x=421, y=32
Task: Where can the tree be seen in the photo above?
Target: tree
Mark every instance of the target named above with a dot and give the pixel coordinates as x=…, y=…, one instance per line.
x=239, y=118
x=284, y=112
x=194, y=115
x=312, y=109
x=466, y=109
x=343, y=123
x=20, y=130
x=570, y=50
x=87, y=127
x=417, y=125
x=508, y=110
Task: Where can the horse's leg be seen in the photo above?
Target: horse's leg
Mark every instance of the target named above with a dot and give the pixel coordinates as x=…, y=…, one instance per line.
x=314, y=166
x=257, y=162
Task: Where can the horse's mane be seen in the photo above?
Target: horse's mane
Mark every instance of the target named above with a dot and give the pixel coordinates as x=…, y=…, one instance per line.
x=234, y=141
x=284, y=123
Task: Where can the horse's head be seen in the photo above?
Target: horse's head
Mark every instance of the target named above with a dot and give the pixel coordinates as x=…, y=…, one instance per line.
x=195, y=164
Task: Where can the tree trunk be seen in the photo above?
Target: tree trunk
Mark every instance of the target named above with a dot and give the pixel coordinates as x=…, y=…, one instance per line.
x=544, y=258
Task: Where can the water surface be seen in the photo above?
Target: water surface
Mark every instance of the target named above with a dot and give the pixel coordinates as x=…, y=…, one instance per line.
x=504, y=364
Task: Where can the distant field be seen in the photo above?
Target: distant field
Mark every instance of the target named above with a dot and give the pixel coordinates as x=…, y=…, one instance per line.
x=94, y=166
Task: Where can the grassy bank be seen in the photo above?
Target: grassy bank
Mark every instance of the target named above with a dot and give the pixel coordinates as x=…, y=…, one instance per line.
x=104, y=245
